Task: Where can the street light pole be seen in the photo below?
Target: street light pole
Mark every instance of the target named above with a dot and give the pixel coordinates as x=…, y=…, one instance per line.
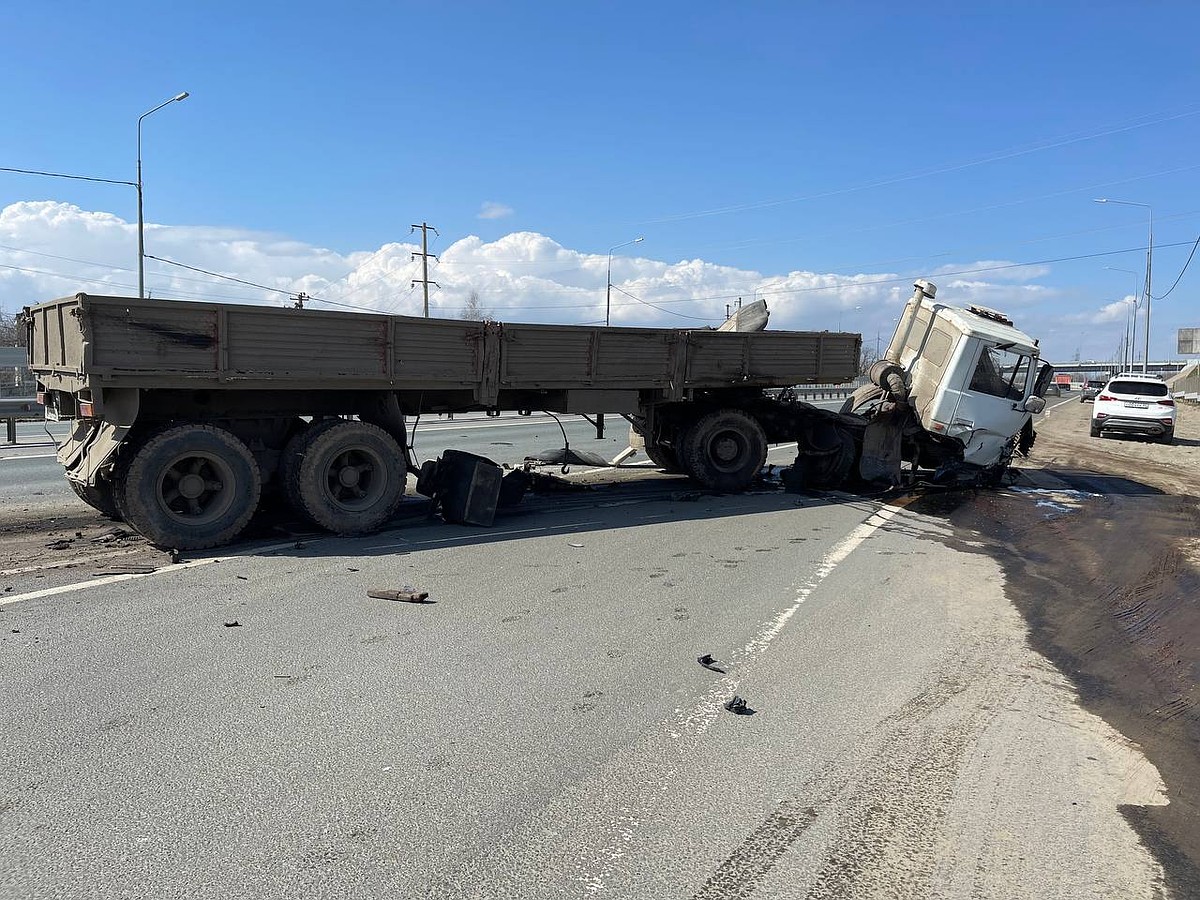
x=608, y=291
x=1149, y=268
x=141, y=218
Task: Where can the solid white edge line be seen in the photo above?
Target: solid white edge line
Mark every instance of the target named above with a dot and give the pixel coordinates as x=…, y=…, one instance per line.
x=703, y=713
x=114, y=579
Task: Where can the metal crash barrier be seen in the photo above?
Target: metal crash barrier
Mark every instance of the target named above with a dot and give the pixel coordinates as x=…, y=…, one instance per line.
x=14, y=409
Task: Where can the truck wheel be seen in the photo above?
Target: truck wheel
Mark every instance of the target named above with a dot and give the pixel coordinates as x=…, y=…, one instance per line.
x=723, y=450
x=293, y=455
x=190, y=487
x=663, y=457
x=660, y=454
x=351, y=476
x=825, y=456
x=99, y=497
x=863, y=400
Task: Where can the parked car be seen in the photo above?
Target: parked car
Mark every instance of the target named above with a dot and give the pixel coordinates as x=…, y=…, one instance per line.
x=1090, y=390
x=1135, y=403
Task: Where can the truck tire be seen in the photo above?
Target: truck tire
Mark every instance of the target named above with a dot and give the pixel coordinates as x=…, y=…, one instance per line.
x=663, y=457
x=660, y=454
x=723, y=450
x=190, y=487
x=351, y=476
x=291, y=457
x=98, y=496
x=825, y=456
x=862, y=400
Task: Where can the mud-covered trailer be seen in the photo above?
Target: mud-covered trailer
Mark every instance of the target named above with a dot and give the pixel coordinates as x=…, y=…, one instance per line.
x=183, y=411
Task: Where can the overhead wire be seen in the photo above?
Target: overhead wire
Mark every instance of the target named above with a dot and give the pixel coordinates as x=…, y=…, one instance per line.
x=1184, y=269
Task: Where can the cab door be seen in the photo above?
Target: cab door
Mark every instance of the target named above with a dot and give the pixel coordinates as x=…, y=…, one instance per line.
x=991, y=405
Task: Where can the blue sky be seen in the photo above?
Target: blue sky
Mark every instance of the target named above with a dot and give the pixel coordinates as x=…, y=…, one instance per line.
x=844, y=140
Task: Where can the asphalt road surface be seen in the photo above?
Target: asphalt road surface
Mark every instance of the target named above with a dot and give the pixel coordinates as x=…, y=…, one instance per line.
x=253, y=725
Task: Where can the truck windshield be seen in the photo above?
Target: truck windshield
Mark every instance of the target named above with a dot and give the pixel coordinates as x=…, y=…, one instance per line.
x=1001, y=373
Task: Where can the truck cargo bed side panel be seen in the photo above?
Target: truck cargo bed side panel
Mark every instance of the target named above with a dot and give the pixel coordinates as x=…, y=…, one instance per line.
x=768, y=357
x=438, y=351
x=262, y=342
x=142, y=336
x=549, y=356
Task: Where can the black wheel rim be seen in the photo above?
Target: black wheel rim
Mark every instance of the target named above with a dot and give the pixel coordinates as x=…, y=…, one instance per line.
x=196, y=488
x=727, y=450
x=356, y=478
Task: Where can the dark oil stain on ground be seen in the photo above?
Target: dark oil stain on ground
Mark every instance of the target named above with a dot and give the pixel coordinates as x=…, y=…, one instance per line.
x=1112, y=600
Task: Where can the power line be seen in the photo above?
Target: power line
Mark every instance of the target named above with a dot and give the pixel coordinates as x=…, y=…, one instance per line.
x=261, y=287
x=669, y=312
x=71, y=177
x=1184, y=269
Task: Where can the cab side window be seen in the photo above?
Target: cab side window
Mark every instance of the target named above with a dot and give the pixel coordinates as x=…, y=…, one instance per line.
x=1001, y=373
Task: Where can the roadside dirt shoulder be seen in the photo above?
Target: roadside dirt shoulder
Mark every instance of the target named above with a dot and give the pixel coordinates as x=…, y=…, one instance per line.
x=1105, y=567
x=1064, y=442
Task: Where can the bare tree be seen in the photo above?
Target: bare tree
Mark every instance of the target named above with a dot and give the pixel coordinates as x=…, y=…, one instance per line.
x=12, y=333
x=867, y=357
x=474, y=309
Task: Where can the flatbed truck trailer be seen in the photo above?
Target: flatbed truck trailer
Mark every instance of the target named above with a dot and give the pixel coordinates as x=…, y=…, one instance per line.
x=183, y=411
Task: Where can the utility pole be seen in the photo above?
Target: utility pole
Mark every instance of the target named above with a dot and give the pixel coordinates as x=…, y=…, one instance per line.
x=425, y=254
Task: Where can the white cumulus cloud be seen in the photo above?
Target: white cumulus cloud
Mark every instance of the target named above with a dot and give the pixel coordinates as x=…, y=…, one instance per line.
x=50, y=249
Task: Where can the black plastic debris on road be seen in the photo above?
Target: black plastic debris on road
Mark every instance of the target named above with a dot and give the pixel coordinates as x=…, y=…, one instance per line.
x=738, y=707
x=709, y=663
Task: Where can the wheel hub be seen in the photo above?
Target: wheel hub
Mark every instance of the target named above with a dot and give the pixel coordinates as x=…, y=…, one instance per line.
x=725, y=449
x=191, y=486
x=348, y=476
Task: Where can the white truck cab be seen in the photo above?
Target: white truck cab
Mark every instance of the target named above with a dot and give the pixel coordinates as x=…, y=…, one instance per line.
x=967, y=375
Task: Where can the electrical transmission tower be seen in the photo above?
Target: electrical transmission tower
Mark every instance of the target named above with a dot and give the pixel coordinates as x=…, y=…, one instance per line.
x=425, y=254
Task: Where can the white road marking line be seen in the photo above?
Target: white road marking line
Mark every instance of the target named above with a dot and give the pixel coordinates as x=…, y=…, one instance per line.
x=697, y=720
x=691, y=725
x=113, y=579
x=32, y=456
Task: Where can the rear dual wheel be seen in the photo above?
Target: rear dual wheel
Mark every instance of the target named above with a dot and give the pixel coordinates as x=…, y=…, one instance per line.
x=347, y=477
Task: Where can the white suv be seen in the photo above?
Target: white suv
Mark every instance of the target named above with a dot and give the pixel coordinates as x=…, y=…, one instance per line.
x=1135, y=403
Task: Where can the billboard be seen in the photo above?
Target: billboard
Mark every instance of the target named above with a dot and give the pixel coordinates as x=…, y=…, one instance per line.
x=1189, y=342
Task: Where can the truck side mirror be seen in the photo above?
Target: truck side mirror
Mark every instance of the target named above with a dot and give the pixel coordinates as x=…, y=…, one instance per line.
x=1033, y=405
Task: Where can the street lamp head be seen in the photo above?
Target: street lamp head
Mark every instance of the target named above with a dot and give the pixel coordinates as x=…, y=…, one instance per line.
x=183, y=95
x=1100, y=200
x=638, y=240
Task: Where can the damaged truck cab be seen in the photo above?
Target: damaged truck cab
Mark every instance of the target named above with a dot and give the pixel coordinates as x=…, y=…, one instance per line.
x=956, y=392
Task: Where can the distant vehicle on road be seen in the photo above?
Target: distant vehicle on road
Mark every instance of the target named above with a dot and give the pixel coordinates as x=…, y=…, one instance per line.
x=1135, y=403
x=1090, y=390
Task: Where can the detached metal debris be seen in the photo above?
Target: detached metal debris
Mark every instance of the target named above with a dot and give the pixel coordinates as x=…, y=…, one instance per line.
x=407, y=595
